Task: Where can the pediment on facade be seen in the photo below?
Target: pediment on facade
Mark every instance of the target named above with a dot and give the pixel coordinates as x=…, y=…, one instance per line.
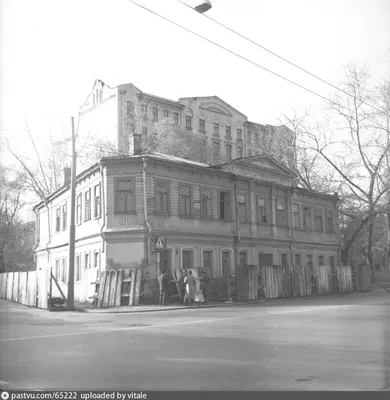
x=215, y=107
x=260, y=168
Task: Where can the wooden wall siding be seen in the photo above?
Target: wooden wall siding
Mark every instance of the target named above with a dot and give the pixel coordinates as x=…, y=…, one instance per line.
x=24, y=288
x=344, y=278
x=125, y=220
x=119, y=287
x=43, y=288
x=363, y=278
x=324, y=279
x=247, y=288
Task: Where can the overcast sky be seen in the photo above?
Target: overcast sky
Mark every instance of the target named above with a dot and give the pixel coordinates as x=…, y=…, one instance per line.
x=53, y=50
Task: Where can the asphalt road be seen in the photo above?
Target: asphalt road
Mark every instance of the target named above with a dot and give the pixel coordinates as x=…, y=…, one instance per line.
x=340, y=343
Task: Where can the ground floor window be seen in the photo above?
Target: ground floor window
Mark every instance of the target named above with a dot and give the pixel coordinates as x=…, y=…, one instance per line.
x=226, y=262
x=297, y=259
x=283, y=259
x=188, y=259
x=208, y=260
x=243, y=258
x=78, y=268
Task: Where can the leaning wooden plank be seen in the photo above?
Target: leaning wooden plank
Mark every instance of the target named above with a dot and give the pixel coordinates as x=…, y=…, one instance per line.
x=106, y=297
x=32, y=289
x=138, y=287
x=102, y=285
x=118, y=292
x=21, y=286
x=113, y=286
x=2, y=276
x=132, y=286
x=15, y=289
x=58, y=286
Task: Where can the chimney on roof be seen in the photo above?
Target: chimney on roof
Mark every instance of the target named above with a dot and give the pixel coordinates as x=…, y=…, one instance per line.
x=67, y=175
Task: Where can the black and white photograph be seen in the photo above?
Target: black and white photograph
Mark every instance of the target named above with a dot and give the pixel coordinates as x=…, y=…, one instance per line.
x=194, y=198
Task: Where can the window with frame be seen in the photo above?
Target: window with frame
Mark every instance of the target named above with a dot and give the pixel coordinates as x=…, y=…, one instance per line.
x=162, y=196
x=321, y=260
x=249, y=137
x=96, y=196
x=281, y=217
x=96, y=259
x=228, y=132
x=124, y=195
x=224, y=206
x=329, y=221
x=256, y=138
x=239, y=152
x=216, y=148
x=318, y=219
x=296, y=219
x=64, y=215
x=206, y=210
x=228, y=151
x=331, y=261
x=227, y=266
x=243, y=256
x=307, y=218
x=144, y=132
x=144, y=111
x=261, y=211
x=242, y=207
x=78, y=209
x=202, y=127
x=78, y=268
x=87, y=264
x=131, y=129
x=185, y=206
x=166, y=113
x=176, y=118
x=87, y=205
x=57, y=269
x=58, y=219
x=155, y=114
x=129, y=107
x=188, y=123
x=216, y=129
x=297, y=259
x=208, y=260
x=64, y=270
x=309, y=261
x=188, y=259
x=283, y=259
x=239, y=134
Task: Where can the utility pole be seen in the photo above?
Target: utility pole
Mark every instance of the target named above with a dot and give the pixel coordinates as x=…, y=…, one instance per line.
x=71, y=255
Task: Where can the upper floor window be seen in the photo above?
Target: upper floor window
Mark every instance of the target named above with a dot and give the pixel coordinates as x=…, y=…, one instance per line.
x=216, y=148
x=256, y=138
x=202, y=126
x=58, y=219
x=162, y=196
x=229, y=151
x=96, y=195
x=318, y=219
x=295, y=210
x=78, y=209
x=188, y=123
x=239, y=134
x=129, y=107
x=185, y=206
x=144, y=111
x=206, y=203
x=224, y=205
x=329, y=221
x=242, y=207
x=87, y=205
x=87, y=264
x=239, y=152
x=321, y=260
x=57, y=272
x=176, y=118
x=228, y=132
x=144, y=132
x=216, y=129
x=261, y=210
x=307, y=217
x=281, y=218
x=243, y=256
x=155, y=114
x=124, y=195
x=249, y=137
x=64, y=216
x=208, y=260
x=166, y=114
x=297, y=259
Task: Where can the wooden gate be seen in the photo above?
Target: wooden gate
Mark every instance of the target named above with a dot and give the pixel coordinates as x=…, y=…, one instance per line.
x=362, y=278
x=247, y=284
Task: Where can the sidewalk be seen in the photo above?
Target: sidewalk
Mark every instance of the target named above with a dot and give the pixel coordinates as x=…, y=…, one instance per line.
x=173, y=307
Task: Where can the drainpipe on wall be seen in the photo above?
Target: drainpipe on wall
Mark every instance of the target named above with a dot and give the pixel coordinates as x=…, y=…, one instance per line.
x=103, y=210
x=293, y=229
x=146, y=212
x=237, y=237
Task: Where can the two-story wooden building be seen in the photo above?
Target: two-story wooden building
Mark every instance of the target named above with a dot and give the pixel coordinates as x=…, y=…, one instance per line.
x=247, y=210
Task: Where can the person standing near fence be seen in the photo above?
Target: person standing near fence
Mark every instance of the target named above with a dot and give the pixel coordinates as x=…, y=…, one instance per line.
x=163, y=282
x=190, y=282
x=182, y=286
x=205, y=280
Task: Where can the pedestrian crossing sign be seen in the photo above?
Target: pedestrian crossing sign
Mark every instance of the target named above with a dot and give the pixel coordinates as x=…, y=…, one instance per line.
x=160, y=243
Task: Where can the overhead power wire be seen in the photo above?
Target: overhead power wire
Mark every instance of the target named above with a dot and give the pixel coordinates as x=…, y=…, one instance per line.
x=283, y=59
x=243, y=58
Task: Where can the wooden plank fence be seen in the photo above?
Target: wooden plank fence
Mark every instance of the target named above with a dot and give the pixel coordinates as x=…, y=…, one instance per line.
x=247, y=288
x=344, y=278
x=362, y=278
x=27, y=288
x=119, y=287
